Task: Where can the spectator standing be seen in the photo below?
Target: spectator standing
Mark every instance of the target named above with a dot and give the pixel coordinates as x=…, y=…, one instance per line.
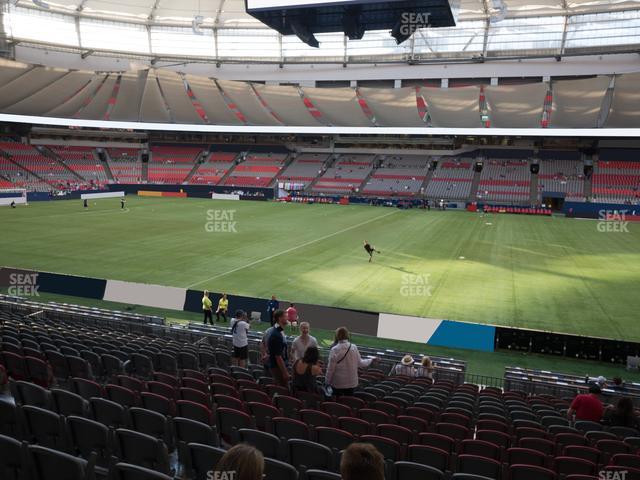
x=277, y=349
x=622, y=415
x=239, y=329
x=245, y=461
x=223, y=306
x=207, y=304
x=425, y=370
x=362, y=461
x=587, y=406
x=405, y=367
x=302, y=342
x=305, y=371
x=292, y=315
x=344, y=361
x=272, y=306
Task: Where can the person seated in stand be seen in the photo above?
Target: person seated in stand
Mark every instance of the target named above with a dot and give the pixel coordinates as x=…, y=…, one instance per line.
x=405, y=367
x=306, y=370
x=425, y=370
x=621, y=415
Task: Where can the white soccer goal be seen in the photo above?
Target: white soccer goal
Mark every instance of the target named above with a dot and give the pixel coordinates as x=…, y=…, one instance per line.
x=9, y=195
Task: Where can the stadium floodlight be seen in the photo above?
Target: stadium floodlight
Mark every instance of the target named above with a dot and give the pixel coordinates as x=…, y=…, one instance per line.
x=196, y=23
x=501, y=7
x=41, y=4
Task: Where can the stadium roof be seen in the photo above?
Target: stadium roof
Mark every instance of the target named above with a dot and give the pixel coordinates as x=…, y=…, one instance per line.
x=158, y=96
x=163, y=28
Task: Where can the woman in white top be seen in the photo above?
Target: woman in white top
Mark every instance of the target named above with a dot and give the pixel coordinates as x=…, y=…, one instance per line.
x=405, y=367
x=344, y=361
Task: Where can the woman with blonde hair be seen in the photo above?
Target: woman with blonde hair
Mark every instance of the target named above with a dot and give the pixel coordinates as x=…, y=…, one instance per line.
x=425, y=370
x=245, y=461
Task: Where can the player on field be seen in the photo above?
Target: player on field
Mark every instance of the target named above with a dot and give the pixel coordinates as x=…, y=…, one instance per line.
x=370, y=250
x=122, y=202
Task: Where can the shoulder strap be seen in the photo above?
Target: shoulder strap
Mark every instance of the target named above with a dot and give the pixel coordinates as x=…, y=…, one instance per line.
x=235, y=327
x=345, y=355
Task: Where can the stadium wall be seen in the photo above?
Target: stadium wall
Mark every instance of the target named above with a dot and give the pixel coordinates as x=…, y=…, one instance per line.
x=197, y=191
x=599, y=210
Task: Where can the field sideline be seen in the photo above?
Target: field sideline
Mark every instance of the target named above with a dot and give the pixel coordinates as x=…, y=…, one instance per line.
x=534, y=272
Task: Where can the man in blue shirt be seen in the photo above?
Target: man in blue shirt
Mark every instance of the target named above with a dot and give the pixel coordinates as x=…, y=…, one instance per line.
x=277, y=348
x=272, y=306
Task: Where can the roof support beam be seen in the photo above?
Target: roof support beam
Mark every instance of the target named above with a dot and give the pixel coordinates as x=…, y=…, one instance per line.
x=87, y=53
x=487, y=25
x=565, y=7
x=154, y=8
x=81, y=6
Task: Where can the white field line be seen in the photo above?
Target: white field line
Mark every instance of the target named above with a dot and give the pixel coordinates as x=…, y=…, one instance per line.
x=302, y=245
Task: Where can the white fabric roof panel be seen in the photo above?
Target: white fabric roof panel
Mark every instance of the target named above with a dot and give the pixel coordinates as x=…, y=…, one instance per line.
x=75, y=100
x=241, y=94
x=27, y=84
x=99, y=104
x=516, y=106
x=11, y=70
x=625, y=105
x=393, y=107
x=453, y=107
x=231, y=13
x=208, y=95
x=338, y=105
x=286, y=102
x=53, y=95
x=128, y=100
x=577, y=103
x=180, y=106
x=152, y=108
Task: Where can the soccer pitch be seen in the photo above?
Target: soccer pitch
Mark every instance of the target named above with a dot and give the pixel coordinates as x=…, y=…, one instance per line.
x=534, y=272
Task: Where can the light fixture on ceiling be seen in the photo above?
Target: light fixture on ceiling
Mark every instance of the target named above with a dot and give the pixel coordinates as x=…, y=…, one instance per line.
x=197, y=21
x=40, y=3
x=501, y=8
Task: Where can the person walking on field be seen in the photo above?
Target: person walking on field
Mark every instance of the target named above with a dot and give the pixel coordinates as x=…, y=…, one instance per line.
x=207, y=304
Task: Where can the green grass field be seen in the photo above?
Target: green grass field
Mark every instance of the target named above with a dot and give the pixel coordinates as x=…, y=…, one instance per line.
x=534, y=272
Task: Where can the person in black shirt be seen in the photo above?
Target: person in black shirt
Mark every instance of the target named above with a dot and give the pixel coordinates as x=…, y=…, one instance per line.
x=85, y=203
x=277, y=348
x=122, y=201
x=370, y=250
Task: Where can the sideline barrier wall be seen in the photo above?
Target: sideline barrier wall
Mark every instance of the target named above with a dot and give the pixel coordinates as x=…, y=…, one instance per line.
x=54, y=282
x=595, y=210
x=92, y=196
x=437, y=332
x=153, y=193
x=145, y=294
x=197, y=191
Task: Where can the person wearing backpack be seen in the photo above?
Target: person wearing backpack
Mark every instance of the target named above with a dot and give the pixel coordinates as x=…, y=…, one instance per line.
x=344, y=361
x=239, y=329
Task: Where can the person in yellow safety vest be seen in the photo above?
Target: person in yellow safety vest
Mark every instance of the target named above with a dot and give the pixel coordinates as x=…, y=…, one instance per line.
x=207, y=305
x=223, y=306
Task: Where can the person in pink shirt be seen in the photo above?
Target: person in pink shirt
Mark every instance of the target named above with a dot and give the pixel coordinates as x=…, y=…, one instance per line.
x=292, y=314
